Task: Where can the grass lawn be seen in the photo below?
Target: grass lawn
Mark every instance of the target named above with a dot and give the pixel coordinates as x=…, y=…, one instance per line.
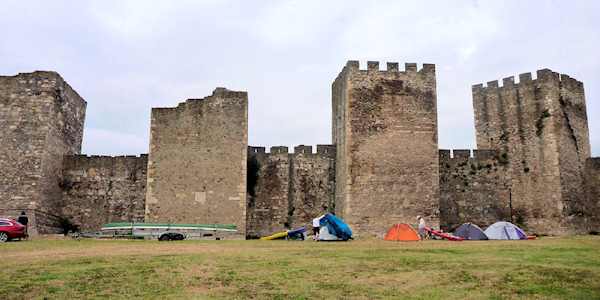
x=59, y=268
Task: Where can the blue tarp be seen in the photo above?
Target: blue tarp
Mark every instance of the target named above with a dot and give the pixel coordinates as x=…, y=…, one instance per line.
x=336, y=227
x=301, y=230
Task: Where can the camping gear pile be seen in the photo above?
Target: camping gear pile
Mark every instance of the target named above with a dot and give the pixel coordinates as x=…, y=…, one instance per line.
x=288, y=234
x=331, y=229
x=467, y=231
x=334, y=229
x=445, y=235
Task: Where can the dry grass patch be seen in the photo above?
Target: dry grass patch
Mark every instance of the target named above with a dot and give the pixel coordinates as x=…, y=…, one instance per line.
x=66, y=268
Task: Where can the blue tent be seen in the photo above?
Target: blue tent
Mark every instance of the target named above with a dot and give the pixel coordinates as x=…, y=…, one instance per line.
x=336, y=227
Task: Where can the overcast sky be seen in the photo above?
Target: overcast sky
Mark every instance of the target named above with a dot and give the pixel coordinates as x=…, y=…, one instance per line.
x=125, y=57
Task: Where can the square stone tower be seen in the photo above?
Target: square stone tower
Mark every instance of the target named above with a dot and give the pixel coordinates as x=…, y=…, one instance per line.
x=41, y=122
x=197, y=161
x=385, y=130
x=541, y=128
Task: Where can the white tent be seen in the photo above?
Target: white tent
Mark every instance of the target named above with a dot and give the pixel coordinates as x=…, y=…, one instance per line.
x=324, y=235
x=504, y=231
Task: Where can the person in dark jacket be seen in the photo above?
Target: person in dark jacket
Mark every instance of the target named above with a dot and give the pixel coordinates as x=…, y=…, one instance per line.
x=23, y=219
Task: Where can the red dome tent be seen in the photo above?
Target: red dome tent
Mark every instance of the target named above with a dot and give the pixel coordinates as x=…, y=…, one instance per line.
x=402, y=232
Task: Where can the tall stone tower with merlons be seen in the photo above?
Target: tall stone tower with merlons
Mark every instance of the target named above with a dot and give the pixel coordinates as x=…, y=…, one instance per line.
x=385, y=130
x=541, y=128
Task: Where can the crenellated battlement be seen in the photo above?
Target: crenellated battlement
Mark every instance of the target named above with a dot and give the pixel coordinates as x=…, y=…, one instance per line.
x=460, y=155
x=391, y=67
x=255, y=150
x=322, y=151
x=543, y=76
x=515, y=112
x=326, y=149
x=279, y=150
x=84, y=156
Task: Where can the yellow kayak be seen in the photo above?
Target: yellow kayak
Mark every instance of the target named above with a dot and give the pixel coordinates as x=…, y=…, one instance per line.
x=278, y=235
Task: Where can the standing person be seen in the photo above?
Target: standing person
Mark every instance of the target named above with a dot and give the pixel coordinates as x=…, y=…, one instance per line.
x=317, y=226
x=23, y=219
x=421, y=228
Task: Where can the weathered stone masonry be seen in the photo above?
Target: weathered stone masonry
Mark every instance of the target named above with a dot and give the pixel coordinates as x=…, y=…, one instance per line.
x=41, y=122
x=593, y=192
x=197, y=161
x=291, y=188
x=384, y=165
x=472, y=188
x=385, y=132
x=100, y=189
x=541, y=126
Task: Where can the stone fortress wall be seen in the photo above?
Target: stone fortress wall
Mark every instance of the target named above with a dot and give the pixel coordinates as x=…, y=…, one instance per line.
x=385, y=131
x=101, y=189
x=384, y=165
x=592, y=180
x=41, y=122
x=541, y=127
x=197, y=161
x=472, y=188
x=289, y=189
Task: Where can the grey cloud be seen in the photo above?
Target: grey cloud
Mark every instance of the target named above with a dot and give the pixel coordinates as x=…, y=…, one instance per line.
x=126, y=57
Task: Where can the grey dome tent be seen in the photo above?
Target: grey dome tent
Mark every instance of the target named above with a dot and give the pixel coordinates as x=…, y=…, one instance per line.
x=470, y=231
x=504, y=231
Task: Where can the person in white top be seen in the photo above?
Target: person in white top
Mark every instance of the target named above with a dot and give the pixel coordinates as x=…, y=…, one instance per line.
x=421, y=227
x=316, y=226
